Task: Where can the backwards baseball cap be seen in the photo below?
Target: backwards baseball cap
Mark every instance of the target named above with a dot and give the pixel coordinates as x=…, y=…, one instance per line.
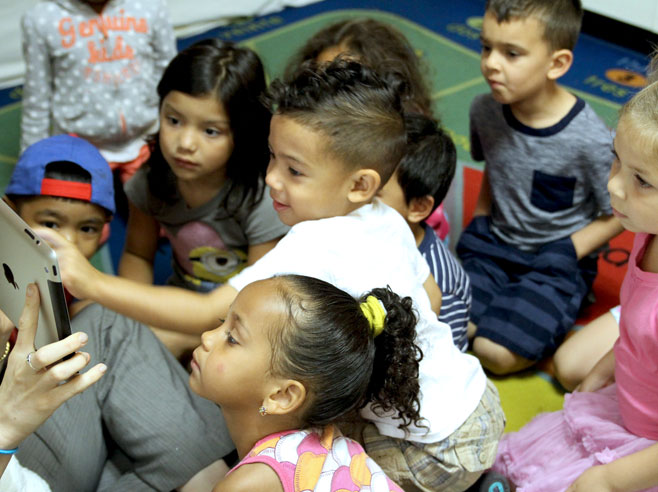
x=29, y=176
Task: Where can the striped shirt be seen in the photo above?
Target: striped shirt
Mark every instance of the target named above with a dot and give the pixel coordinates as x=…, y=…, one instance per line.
x=454, y=284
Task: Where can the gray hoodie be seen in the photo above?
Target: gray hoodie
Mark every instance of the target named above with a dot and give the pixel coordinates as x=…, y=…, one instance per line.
x=95, y=75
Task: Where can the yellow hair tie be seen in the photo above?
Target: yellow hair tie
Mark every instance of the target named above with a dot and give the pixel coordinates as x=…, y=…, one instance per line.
x=375, y=313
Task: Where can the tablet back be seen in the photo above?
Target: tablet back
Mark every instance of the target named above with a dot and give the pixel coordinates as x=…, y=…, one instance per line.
x=25, y=259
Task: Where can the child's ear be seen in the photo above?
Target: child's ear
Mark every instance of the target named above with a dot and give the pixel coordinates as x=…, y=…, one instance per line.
x=420, y=208
x=285, y=397
x=561, y=61
x=363, y=186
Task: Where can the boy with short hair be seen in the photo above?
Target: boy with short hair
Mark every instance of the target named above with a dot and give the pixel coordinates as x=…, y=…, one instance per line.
x=63, y=183
x=336, y=134
x=543, y=208
x=417, y=187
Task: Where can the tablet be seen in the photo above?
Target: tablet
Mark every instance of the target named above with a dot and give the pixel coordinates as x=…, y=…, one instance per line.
x=26, y=259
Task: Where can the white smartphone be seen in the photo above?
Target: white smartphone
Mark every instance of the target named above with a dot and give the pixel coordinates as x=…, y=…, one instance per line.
x=25, y=259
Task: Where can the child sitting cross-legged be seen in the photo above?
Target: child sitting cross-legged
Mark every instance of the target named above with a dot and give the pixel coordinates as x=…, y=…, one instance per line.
x=417, y=187
x=543, y=210
x=337, y=133
x=294, y=355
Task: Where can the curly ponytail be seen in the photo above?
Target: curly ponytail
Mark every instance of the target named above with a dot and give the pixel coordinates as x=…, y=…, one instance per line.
x=394, y=381
x=327, y=344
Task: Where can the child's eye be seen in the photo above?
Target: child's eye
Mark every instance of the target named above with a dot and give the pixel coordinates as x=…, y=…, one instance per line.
x=641, y=182
x=294, y=172
x=485, y=47
x=213, y=132
x=172, y=120
x=513, y=54
x=230, y=339
x=49, y=224
x=90, y=229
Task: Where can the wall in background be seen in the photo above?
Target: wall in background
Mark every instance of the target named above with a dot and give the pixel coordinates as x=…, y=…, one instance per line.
x=639, y=13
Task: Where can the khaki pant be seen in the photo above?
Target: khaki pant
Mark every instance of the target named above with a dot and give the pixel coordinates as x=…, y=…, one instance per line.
x=453, y=464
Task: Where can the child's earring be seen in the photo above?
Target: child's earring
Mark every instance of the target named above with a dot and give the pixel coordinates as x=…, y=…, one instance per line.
x=262, y=410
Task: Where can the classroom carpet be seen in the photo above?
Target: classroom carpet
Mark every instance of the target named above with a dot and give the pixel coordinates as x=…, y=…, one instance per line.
x=445, y=35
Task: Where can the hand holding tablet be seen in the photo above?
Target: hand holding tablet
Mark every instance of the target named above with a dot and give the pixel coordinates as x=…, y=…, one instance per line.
x=26, y=259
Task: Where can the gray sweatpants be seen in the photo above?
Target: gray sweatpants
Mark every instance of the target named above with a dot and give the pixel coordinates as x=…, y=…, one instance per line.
x=142, y=408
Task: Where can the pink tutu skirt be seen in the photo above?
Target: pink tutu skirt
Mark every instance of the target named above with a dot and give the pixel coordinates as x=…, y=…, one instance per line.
x=551, y=451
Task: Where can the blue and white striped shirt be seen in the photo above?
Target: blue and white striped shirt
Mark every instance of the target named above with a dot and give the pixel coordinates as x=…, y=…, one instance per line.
x=454, y=284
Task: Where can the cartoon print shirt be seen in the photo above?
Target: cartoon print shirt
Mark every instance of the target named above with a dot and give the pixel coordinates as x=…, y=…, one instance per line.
x=209, y=246
x=95, y=75
x=319, y=460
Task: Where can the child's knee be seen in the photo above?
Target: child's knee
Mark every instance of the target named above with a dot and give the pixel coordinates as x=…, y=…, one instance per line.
x=498, y=359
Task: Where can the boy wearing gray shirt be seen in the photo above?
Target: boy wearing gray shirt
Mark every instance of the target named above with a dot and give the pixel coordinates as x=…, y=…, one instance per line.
x=543, y=208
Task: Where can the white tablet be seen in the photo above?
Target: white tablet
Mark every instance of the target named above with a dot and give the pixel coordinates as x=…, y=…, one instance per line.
x=26, y=259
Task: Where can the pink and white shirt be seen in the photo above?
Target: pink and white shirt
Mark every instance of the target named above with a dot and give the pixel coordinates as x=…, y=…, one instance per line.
x=319, y=460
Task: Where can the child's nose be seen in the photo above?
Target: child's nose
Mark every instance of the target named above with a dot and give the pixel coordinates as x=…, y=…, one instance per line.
x=207, y=338
x=271, y=178
x=616, y=185
x=187, y=140
x=491, y=61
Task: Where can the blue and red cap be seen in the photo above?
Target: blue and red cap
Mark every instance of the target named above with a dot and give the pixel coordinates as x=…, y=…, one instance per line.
x=29, y=178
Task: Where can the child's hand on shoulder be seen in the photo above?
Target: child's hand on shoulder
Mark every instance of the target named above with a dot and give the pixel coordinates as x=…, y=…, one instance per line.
x=78, y=275
x=594, y=478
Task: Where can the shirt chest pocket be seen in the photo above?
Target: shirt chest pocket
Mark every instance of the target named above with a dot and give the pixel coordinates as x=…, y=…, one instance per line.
x=552, y=193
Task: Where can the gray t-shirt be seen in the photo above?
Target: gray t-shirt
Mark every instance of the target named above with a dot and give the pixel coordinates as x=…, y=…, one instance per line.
x=545, y=183
x=94, y=75
x=209, y=245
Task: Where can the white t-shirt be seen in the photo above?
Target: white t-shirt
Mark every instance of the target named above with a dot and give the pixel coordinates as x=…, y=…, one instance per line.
x=374, y=247
x=17, y=478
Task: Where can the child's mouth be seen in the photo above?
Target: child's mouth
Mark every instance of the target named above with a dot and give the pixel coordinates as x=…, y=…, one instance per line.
x=186, y=164
x=618, y=214
x=278, y=206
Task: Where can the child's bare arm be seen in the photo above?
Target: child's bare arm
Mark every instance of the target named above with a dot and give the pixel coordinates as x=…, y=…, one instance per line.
x=257, y=251
x=576, y=357
x=434, y=293
x=170, y=308
x=254, y=476
x=483, y=205
x=637, y=471
x=602, y=374
x=141, y=244
x=595, y=234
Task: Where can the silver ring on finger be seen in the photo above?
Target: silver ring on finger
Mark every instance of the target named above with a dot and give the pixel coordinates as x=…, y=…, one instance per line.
x=29, y=361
